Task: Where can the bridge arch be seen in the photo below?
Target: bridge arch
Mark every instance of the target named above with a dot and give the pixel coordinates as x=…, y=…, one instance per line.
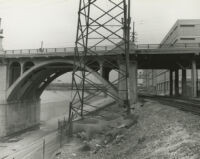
x=14, y=72
x=33, y=82
x=27, y=65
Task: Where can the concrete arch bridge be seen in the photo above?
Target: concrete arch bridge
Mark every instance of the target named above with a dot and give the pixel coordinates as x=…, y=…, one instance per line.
x=26, y=73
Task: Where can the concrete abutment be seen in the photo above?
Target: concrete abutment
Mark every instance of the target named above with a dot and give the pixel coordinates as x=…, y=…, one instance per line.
x=15, y=116
x=132, y=81
x=133, y=74
x=21, y=115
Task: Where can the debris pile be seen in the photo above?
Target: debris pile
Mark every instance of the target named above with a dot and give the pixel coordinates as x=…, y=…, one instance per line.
x=154, y=131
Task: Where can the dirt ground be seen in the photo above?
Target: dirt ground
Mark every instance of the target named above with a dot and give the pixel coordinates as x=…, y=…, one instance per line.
x=153, y=131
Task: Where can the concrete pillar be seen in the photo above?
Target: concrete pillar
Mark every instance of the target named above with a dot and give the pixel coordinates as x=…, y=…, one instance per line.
x=3, y=107
x=101, y=69
x=133, y=93
x=122, y=80
x=184, y=82
x=21, y=68
x=165, y=81
x=194, y=78
x=104, y=72
x=176, y=82
x=171, y=82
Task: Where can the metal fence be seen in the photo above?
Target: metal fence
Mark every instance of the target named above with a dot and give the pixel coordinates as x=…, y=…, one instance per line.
x=68, y=50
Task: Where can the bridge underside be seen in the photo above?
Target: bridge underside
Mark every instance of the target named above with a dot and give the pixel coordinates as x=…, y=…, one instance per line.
x=166, y=61
x=177, y=67
x=20, y=102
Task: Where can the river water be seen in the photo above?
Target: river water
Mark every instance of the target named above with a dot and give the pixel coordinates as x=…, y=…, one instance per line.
x=54, y=103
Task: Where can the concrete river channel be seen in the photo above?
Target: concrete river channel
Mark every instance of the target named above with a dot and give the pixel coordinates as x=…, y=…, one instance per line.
x=30, y=145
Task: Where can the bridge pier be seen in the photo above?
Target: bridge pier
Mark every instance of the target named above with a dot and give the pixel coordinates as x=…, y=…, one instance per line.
x=171, y=82
x=21, y=68
x=132, y=85
x=104, y=72
x=133, y=82
x=21, y=115
x=194, y=77
x=122, y=80
x=15, y=115
x=184, y=82
x=176, y=82
x=3, y=88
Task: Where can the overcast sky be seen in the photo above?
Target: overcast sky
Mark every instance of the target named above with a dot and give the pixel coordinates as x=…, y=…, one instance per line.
x=27, y=22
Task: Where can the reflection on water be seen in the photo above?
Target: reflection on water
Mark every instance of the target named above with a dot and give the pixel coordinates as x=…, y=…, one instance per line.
x=54, y=103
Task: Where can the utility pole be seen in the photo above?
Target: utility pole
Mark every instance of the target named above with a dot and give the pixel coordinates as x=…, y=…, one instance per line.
x=133, y=34
x=1, y=30
x=127, y=51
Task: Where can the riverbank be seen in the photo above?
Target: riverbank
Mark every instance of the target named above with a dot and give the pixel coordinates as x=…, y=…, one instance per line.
x=154, y=131
x=45, y=141
x=54, y=107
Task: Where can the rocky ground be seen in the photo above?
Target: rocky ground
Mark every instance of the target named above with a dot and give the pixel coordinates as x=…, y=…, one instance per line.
x=154, y=131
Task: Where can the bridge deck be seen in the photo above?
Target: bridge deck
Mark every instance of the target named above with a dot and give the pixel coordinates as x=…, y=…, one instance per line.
x=106, y=50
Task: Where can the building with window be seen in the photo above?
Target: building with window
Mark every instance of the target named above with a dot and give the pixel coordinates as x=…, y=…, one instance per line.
x=184, y=33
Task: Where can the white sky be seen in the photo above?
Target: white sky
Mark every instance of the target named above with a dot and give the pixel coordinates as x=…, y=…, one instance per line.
x=27, y=22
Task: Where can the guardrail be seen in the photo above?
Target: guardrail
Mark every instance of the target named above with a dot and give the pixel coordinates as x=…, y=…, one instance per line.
x=102, y=48
x=164, y=46
x=56, y=50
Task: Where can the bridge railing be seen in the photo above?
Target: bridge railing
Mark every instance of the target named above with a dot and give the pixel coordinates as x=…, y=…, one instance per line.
x=40, y=51
x=160, y=46
x=67, y=50
x=56, y=50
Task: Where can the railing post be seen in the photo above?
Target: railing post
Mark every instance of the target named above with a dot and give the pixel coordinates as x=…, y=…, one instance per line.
x=55, y=50
x=12, y=51
x=185, y=45
x=20, y=51
x=148, y=46
x=29, y=51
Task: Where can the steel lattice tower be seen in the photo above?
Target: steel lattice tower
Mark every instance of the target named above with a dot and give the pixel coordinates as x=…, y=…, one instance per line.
x=100, y=23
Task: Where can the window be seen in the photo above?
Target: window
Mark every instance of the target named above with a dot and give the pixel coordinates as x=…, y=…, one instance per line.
x=187, y=25
x=187, y=38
